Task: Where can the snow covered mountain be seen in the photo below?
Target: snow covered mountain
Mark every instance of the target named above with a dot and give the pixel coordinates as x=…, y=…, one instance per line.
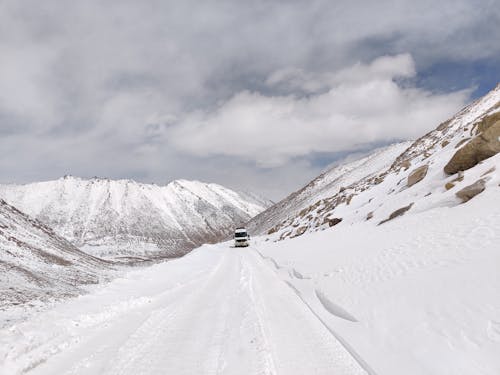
x=325, y=185
x=439, y=169
x=36, y=263
x=124, y=218
x=405, y=283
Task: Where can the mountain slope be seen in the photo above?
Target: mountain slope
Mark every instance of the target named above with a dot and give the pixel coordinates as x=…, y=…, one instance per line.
x=325, y=185
x=395, y=188
x=110, y=218
x=36, y=263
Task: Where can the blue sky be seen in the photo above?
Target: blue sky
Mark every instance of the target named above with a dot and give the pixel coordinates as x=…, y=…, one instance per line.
x=258, y=95
x=445, y=76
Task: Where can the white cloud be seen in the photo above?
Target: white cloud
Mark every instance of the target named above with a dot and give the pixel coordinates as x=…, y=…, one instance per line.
x=148, y=89
x=362, y=105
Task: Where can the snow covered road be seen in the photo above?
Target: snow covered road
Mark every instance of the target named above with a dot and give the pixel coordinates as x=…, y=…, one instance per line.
x=219, y=310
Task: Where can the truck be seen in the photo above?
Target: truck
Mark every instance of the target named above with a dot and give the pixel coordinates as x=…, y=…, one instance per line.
x=241, y=237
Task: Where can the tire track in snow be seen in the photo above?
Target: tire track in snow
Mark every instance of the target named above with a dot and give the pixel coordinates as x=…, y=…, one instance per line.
x=343, y=358
x=105, y=333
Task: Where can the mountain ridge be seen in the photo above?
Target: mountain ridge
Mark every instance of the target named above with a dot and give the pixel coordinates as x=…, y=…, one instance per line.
x=123, y=218
x=38, y=264
x=381, y=193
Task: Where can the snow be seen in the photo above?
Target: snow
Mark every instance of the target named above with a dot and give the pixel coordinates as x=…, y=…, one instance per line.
x=217, y=310
x=379, y=187
x=327, y=184
x=124, y=218
x=39, y=267
x=423, y=290
x=418, y=295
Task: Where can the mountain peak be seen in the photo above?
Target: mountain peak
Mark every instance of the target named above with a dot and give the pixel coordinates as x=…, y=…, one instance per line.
x=110, y=218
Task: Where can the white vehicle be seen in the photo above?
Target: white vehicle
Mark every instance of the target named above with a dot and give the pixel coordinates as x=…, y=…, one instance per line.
x=241, y=238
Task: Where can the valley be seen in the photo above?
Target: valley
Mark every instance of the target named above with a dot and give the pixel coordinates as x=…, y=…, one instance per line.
x=383, y=265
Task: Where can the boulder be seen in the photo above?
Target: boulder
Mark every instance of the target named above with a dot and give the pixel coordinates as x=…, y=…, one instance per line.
x=349, y=199
x=334, y=221
x=299, y=232
x=469, y=192
x=406, y=164
x=487, y=122
x=417, y=175
x=369, y=215
x=482, y=147
x=491, y=170
x=462, y=142
x=399, y=212
x=449, y=185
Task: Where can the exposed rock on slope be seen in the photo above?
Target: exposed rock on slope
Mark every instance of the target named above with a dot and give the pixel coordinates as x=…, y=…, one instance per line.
x=399, y=212
x=469, y=192
x=417, y=175
x=36, y=263
x=331, y=182
x=483, y=146
x=385, y=189
x=110, y=218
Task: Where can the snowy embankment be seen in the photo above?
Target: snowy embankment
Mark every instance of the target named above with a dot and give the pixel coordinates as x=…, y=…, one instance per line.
x=418, y=295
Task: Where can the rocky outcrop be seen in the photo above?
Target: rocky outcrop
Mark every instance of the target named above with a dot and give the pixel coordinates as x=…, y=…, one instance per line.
x=399, y=212
x=484, y=145
x=469, y=192
x=417, y=175
x=300, y=231
x=449, y=185
x=332, y=222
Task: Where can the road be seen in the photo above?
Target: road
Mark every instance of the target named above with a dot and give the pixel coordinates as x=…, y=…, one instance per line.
x=218, y=310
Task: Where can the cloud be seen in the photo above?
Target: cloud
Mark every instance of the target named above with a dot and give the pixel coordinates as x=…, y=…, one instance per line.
x=145, y=89
x=363, y=104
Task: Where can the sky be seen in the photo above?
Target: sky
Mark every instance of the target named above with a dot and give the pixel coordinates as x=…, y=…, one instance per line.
x=256, y=95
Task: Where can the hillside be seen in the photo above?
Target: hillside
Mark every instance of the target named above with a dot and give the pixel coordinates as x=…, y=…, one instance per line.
x=325, y=185
x=431, y=172
x=37, y=264
x=125, y=218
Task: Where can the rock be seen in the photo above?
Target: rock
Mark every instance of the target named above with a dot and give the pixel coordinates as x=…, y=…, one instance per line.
x=332, y=222
x=273, y=230
x=462, y=141
x=449, y=185
x=285, y=235
x=299, y=232
x=417, y=175
x=469, y=192
x=445, y=143
x=349, y=199
x=398, y=212
x=369, y=215
x=487, y=122
x=406, y=164
x=491, y=170
x=485, y=145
